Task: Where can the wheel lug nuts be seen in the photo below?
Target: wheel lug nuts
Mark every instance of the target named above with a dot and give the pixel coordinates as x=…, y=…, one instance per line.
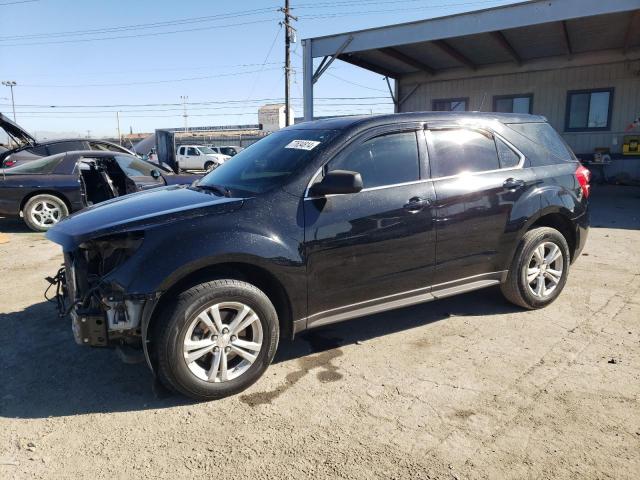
x=215, y=337
x=233, y=338
x=216, y=349
x=226, y=330
x=227, y=349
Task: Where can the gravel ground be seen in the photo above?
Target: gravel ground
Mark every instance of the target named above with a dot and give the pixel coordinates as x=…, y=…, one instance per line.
x=467, y=387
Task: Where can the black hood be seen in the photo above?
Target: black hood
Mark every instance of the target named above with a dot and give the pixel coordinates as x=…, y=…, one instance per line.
x=139, y=211
x=15, y=131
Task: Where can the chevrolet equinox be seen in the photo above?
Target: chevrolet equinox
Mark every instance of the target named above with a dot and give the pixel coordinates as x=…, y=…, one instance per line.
x=319, y=223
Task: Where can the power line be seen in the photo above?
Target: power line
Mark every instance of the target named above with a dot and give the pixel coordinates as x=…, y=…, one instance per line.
x=395, y=10
x=266, y=58
x=149, y=82
x=381, y=2
x=140, y=26
x=208, y=102
x=17, y=2
x=154, y=34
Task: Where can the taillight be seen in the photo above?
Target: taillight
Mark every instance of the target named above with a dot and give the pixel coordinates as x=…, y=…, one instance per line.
x=584, y=175
x=9, y=163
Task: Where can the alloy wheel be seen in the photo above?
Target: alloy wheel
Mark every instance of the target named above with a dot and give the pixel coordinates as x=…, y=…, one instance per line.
x=46, y=214
x=222, y=341
x=544, y=269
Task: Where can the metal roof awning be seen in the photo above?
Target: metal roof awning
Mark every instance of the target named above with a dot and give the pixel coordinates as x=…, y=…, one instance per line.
x=512, y=34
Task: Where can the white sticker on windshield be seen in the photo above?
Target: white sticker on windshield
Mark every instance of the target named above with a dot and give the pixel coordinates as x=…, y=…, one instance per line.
x=303, y=144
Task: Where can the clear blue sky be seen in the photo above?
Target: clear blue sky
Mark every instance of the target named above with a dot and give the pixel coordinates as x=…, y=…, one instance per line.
x=216, y=56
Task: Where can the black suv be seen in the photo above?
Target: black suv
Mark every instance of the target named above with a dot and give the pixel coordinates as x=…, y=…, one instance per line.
x=318, y=223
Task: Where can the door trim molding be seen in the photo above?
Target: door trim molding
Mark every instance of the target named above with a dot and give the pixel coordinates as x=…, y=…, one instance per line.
x=404, y=299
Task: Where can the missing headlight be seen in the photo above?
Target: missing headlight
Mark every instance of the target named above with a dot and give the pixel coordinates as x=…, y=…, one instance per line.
x=105, y=254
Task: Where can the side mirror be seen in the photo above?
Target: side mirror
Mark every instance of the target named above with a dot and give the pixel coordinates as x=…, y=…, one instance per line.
x=338, y=182
x=155, y=173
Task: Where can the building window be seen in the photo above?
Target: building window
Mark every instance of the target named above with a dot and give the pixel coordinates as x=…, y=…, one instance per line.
x=589, y=110
x=513, y=103
x=450, y=105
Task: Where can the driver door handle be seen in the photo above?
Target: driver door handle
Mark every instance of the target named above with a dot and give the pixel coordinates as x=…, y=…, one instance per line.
x=513, y=183
x=415, y=204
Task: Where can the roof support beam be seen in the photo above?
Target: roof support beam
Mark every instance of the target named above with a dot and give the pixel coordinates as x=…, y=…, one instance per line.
x=324, y=64
x=359, y=62
x=633, y=22
x=393, y=97
x=455, y=54
x=408, y=94
x=567, y=39
x=407, y=60
x=504, y=43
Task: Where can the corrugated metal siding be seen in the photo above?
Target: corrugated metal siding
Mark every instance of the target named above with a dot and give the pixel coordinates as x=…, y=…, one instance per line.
x=549, y=89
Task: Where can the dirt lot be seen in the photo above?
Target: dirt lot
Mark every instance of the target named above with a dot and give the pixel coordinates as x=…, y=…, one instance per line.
x=468, y=387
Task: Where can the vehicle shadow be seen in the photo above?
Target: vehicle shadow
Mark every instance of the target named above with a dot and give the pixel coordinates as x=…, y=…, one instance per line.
x=13, y=225
x=45, y=374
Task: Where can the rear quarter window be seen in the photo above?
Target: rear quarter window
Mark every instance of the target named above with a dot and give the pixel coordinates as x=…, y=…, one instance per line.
x=543, y=134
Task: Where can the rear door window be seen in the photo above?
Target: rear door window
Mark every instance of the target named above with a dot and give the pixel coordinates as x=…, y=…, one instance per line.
x=385, y=160
x=508, y=157
x=461, y=150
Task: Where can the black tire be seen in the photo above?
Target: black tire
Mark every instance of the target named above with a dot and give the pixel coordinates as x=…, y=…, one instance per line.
x=209, y=166
x=173, y=370
x=31, y=208
x=516, y=288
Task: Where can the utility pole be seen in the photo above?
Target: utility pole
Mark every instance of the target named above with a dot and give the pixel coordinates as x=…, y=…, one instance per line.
x=11, y=84
x=184, y=99
x=289, y=37
x=119, y=135
x=88, y=133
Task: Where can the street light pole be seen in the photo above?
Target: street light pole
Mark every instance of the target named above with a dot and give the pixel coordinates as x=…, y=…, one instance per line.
x=184, y=99
x=11, y=84
x=119, y=135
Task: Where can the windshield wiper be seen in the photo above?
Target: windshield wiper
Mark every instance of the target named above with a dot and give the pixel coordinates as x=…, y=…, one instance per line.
x=219, y=189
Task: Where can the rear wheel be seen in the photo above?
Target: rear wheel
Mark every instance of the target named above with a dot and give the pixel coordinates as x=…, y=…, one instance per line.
x=43, y=211
x=539, y=269
x=217, y=340
x=209, y=166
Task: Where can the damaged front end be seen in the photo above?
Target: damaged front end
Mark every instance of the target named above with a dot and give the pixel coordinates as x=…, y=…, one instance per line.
x=102, y=313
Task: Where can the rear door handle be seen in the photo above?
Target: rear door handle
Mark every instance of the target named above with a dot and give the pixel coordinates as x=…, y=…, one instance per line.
x=513, y=183
x=415, y=204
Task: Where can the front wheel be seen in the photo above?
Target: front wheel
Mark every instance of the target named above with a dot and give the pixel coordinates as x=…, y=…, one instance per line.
x=209, y=166
x=539, y=269
x=217, y=339
x=43, y=211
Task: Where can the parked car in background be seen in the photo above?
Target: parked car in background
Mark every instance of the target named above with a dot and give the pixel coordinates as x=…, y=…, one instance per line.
x=199, y=157
x=226, y=150
x=46, y=190
x=319, y=223
x=28, y=148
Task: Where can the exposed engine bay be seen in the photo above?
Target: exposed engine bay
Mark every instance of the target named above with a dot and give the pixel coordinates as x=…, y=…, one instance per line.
x=102, y=315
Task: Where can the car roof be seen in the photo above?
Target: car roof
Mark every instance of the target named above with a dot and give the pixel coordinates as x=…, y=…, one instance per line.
x=367, y=121
x=96, y=153
x=58, y=140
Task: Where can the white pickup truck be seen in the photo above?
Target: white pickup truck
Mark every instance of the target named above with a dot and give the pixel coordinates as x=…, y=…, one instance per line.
x=199, y=157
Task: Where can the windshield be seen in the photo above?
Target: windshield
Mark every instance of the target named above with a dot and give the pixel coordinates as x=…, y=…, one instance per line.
x=269, y=162
x=206, y=150
x=39, y=166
